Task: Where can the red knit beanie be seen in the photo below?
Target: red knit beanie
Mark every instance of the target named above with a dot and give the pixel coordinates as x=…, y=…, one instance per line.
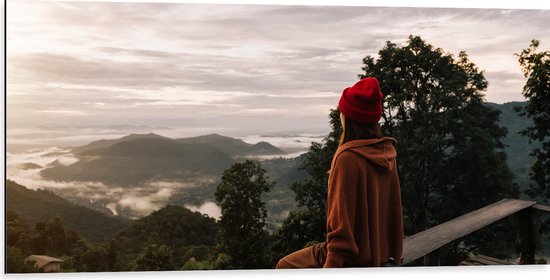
x=362, y=102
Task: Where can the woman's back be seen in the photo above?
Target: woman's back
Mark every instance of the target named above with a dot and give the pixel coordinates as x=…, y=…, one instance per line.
x=364, y=214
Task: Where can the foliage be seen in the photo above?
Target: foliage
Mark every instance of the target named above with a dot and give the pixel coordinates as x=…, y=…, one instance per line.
x=536, y=68
x=450, y=150
x=112, y=257
x=193, y=264
x=77, y=262
x=185, y=233
x=40, y=205
x=18, y=232
x=95, y=259
x=16, y=261
x=301, y=227
x=48, y=237
x=156, y=258
x=178, y=228
x=197, y=252
x=242, y=235
x=51, y=238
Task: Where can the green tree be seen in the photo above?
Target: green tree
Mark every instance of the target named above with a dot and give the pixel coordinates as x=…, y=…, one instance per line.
x=156, y=258
x=16, y=261
x=242, y=233
x=77, y=261
x=193, y=264
x=51, y=238
x=112, y=256
x=174, y=226
x=198, y=252
x=450, y=153
x=95, y=259
x=18, y=232
x=536, y=68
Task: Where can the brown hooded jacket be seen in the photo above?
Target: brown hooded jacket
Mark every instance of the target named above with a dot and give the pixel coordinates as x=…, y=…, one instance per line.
x=364, y=212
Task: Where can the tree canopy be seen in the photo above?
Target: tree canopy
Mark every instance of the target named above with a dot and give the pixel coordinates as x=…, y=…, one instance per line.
x=450, y=155
x=242, y=234
x=536, y=68
x=449, y=143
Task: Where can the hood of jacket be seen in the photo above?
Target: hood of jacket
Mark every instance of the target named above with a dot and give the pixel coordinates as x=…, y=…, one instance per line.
x=380, y=152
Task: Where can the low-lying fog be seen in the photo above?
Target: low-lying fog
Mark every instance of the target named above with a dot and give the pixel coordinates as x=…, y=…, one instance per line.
x=24, y=166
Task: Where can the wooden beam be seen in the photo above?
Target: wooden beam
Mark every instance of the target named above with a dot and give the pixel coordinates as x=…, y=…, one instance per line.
x=489, y=260
x=542, y=208
x=483, y=260
x=420, y=244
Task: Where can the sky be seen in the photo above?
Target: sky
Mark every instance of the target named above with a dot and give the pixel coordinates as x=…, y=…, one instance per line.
x=234, y=69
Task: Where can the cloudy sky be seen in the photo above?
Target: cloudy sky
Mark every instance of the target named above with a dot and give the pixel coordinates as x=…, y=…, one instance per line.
x=233, y=69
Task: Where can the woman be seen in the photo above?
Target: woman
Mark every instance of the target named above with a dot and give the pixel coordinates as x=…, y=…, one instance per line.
x=364, y=212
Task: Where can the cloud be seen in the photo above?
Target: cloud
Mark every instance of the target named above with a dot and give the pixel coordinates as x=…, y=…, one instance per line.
x=134, y=201
x=59, y=68
x=139, y=205
x=40, y=157
x=138, y=52
x=144, y=200
x=64, y=112
x=193, y=64
x=208, y=207
x=504, y=76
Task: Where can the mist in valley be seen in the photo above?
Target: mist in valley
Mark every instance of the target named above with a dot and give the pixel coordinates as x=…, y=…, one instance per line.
x=33, y=154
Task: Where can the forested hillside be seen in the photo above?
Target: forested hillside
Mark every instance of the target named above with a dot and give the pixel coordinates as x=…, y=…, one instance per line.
x=39, y=205
x=139, y=158
x=184, y=234
x=88, y=241
x=517, y=147
x=233, y=147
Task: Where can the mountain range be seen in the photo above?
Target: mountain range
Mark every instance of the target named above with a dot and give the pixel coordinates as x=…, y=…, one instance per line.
x=136, y=159
x=139, y=158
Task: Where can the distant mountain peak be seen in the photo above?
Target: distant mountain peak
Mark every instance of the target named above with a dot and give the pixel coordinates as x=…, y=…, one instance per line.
x=214, y=135
x=105, y=143
x=233, y=146
x=137, y=158
x=143, y=135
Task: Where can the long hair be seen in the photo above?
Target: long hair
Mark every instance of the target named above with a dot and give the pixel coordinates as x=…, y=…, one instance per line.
x=353, y=130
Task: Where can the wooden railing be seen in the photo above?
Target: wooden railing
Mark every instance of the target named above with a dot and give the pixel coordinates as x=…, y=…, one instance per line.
x=425, y=242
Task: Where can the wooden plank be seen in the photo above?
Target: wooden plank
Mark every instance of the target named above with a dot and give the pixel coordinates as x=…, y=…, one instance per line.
x=483, y=260
x=498, y=261
x=422, y=243
x=487, y=260
x=542, y=208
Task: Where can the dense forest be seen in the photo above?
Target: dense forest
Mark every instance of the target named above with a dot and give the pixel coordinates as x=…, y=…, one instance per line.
x=169, y=239
x=452, y=152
